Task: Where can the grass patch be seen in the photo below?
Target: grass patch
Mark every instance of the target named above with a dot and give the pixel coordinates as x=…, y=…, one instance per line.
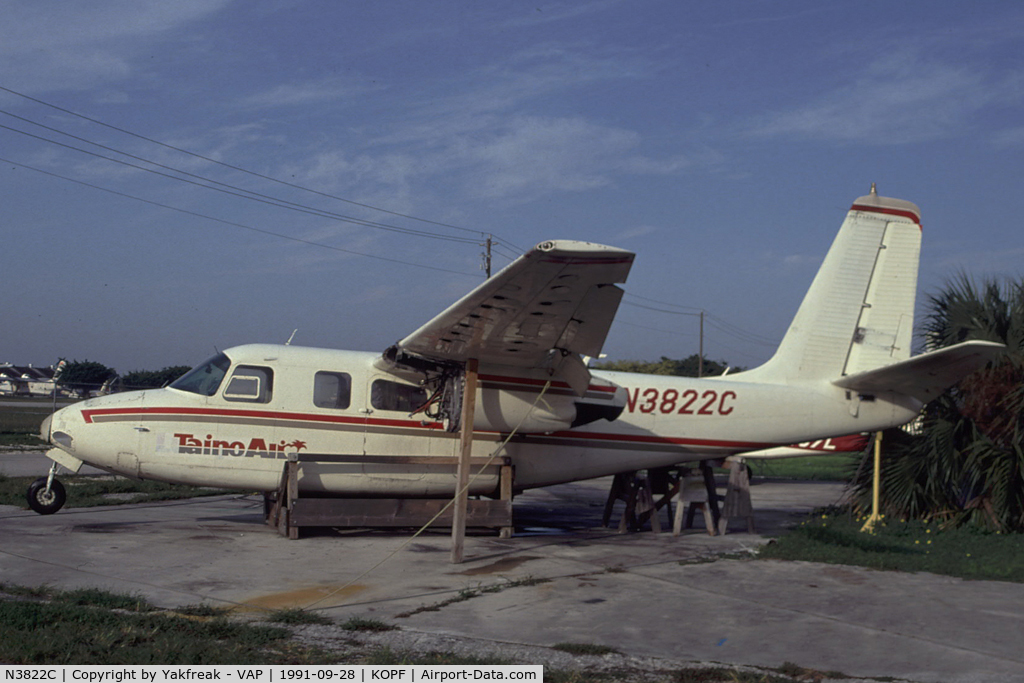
x=385, y=656
x=202, y=611
x=94, y=597
x=90, y=491
x=802, y=673
x=84, y=597
x=832, y=467
x=296, y=615
x=17, y=440
x=361, y=624
x=585, y=649
x=23, y=421
x=834, y=537
x=91, y=626
x=726, y=675
x=470, y=593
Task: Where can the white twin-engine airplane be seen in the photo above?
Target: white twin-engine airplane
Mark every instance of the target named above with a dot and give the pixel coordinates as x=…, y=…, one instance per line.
x=843, y=367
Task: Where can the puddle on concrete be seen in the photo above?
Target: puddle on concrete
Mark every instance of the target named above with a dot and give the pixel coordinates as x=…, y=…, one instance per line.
x=316, y=596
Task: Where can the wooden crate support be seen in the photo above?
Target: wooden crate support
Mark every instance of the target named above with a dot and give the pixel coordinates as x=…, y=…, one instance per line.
x=291, y=511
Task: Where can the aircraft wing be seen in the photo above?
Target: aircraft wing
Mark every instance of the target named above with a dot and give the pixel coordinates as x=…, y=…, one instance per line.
x=559, y=296
x=926, y=376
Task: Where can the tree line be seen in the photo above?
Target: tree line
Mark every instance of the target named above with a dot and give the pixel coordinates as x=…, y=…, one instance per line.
x=683, y=367
x=86, y=377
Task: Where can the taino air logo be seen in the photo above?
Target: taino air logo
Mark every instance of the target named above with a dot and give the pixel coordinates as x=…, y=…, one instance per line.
x=256, y=448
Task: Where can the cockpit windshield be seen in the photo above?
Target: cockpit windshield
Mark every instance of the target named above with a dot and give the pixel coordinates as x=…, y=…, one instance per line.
x=205, y=378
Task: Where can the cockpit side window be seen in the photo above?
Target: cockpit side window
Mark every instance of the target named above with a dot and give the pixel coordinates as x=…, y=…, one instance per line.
x=205, y=378
x=250, y=384
x=332, y=390
x=387, y=395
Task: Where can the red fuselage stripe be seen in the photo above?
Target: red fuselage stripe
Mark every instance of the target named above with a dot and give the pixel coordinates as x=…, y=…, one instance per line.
x=126, y=414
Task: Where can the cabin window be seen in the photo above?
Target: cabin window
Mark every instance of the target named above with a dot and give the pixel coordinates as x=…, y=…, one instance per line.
x=205, y=378
x=251, y=384
x=332, y=390
x=386, y=395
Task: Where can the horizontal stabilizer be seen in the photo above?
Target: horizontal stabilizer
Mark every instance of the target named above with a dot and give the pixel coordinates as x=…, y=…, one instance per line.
x=926, y=376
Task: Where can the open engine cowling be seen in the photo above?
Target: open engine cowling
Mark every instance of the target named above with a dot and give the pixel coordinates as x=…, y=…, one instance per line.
x=506, y=403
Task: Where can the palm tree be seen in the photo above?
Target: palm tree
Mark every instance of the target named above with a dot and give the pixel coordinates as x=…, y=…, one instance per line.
x=965, y=462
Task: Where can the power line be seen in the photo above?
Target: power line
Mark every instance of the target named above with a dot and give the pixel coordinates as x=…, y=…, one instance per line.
x=231, y=166
x=664, y=303
x=276, y=201
x=223, y=187
x=712, y=320
x=227, y=222
x=740, y=333
x=663, y=310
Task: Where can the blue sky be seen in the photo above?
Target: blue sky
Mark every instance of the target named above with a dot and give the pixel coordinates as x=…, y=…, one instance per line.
x=722, y=142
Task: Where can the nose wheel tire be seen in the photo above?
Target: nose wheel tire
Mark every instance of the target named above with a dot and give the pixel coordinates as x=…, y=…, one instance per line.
x=44, y=501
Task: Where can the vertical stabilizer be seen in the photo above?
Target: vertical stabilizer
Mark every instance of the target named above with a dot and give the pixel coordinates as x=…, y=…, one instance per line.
x=859, y=312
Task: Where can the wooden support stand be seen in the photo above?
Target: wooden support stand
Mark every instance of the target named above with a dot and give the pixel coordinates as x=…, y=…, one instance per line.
x=697, y=492
x=290, y=512
x=737, y=496
x=461, y=510
x=639, y=493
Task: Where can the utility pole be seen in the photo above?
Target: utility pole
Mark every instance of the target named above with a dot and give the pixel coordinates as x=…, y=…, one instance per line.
x=700, y=357
x=487, y=257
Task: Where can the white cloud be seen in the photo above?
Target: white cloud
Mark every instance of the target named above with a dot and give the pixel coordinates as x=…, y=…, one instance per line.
x=1011, y=137
x=302, y=94
x=537, y=155
x=521, y=158
x=899, y=98
x=487, y=136
x=77, y=45
x=637, y=231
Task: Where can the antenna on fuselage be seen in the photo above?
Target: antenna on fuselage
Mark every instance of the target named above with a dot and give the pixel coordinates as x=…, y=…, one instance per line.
x=289, y=342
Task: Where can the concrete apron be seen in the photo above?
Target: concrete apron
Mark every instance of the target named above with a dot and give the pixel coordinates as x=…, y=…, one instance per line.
x=562, y=578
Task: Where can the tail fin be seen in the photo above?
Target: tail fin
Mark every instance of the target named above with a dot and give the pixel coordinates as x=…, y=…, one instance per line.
x=859, y=312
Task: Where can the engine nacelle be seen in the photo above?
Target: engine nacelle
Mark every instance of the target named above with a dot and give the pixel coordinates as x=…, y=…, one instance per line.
x=523, y=404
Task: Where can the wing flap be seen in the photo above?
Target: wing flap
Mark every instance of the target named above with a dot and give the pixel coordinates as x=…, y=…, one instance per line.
x=925, y=376
x=589, y=325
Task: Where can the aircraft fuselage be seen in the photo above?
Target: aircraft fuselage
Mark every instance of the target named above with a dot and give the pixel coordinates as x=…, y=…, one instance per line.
x=356, y=427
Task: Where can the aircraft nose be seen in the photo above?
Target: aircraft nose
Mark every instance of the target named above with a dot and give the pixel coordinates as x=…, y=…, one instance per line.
x=55, y=431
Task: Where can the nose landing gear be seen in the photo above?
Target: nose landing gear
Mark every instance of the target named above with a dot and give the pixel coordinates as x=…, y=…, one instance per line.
x=46, y=495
